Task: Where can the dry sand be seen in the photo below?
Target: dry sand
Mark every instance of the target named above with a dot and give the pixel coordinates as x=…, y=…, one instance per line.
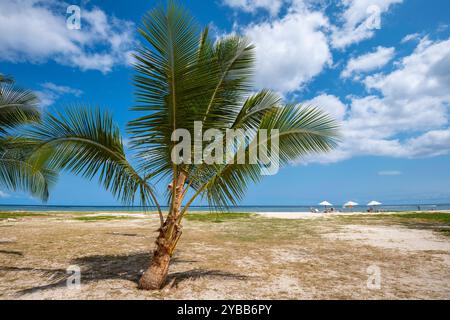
x=304, y=215
x=247, y=258
x=310, y=215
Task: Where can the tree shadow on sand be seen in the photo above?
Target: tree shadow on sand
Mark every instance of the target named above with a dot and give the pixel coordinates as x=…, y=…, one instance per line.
x=174, y=279
x=124, y=267
x=12, y=252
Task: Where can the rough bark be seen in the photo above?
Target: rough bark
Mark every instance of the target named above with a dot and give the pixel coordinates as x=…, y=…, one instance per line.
x=169, y=234
x=156, y=274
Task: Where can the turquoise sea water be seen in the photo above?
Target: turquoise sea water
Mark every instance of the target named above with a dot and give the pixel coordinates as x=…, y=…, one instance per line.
x=399, y=208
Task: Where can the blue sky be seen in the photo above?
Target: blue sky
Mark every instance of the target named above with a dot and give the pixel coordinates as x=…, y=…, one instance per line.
x=379, y=66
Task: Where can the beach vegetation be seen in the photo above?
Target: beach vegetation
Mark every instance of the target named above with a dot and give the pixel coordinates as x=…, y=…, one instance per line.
x=16, y=215
x=102, y=218
x=441, y=217
x=218, y=216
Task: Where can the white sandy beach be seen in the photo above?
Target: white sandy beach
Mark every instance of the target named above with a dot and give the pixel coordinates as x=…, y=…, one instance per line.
x=310, y=215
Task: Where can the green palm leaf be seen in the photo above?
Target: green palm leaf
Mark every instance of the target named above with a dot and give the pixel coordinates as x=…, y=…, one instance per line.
x=168, y=85
x=87, y=142
x=17, y=107
x=302, y=131
x=234, y=59
x=19, y=172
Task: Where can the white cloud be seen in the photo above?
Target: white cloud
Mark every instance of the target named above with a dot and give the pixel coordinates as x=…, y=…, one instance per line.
x=430, y=144
x=62, y=89
x=414, y=101
x=390, y=173
x=330, y=104
x=411, y=37
x=359, y=21
x=442, y=27
x=51, y=92
x=290, y=51
x=252, y=6
x=4, y=194
x=295, y=48
x=36, y=31
x=404, y=113
x=368, y=62
x=410, y=116
x=425, y=73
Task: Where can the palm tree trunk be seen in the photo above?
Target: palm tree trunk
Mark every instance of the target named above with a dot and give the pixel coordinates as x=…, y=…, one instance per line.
x=169, y=234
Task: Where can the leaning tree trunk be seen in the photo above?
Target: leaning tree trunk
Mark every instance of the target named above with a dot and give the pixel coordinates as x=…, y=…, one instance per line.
x=167, y=240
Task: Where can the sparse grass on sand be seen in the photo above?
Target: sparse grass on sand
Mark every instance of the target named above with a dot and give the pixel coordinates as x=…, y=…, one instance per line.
x=217, y=216
x=443, y=217
x=246, y=256
x=15, y=215
x=445, y=232
x=102, y=218
x=437, y=221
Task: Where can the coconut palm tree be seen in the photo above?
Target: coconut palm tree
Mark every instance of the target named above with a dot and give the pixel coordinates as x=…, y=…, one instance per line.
x=19, y=107
x=183, y=77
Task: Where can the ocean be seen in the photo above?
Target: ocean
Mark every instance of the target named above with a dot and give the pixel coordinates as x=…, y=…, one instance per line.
x=300, y=208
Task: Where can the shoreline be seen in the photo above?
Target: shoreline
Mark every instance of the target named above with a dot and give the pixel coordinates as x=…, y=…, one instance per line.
x=263, y=214
x=310, y=215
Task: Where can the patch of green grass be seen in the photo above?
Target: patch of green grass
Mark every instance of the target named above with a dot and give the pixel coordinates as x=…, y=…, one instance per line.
x=217, y=217
x=271, y=230
x=431, y=217
x=436, y=220
x=15, y=215
x=101, y=218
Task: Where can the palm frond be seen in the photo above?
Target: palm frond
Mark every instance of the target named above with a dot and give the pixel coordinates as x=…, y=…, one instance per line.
x=184, y=77
x=17, y=107
x=234, y=57
x=169, y=84
x=19, y=172
x=88, y=143
x=254, y=109
x=302, y=131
